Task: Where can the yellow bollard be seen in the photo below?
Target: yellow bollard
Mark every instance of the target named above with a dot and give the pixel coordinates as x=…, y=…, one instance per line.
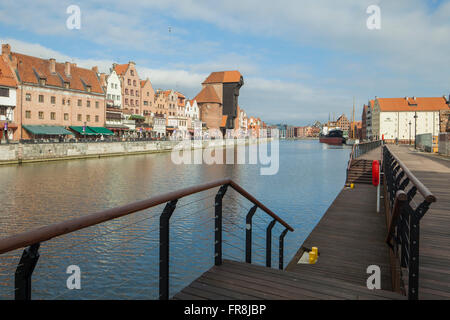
x=313, y=254
x=316, y=251
x=352, y=186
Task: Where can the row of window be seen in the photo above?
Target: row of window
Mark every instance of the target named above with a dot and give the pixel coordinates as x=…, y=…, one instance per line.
x=134, y=82
x=64, y=101
x=66, y=116
x=113, y=97
x=132, y=92
x=131, y=102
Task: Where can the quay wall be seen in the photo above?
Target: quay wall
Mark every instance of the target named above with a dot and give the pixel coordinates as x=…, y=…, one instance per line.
x=22, y=153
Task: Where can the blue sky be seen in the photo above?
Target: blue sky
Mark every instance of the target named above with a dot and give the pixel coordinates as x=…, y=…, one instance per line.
x=301, y=60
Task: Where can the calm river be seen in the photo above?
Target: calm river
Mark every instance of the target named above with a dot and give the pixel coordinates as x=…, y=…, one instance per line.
x=119, y=259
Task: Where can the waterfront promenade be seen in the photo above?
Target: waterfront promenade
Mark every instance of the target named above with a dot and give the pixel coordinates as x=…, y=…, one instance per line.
x=434, y=259
x=351, y=236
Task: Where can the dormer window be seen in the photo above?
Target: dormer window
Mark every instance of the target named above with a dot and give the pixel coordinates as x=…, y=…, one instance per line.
x=88, y=88
x=42, y=81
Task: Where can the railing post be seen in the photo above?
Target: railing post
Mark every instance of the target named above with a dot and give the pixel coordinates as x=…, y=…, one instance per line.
x=218, y=225
x=248, y=234
x=269, y=243
x=281, y=249
x=413, y=265
x=164, y=220
x=24, y=271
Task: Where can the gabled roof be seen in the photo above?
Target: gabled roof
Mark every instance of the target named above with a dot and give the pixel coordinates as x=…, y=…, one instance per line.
x=411, y=104
x=30, y=69
x=208, y=94
x=224, y=77
x=121, y=68
x=6, y=75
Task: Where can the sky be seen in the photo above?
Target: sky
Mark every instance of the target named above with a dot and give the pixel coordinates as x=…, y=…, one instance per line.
x=302, y=60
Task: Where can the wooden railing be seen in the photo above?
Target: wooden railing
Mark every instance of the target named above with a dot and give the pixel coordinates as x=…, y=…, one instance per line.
x=32, y=240
x=403, y=213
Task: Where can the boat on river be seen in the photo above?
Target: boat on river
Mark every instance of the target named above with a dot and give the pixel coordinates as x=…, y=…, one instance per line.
x=334, y=137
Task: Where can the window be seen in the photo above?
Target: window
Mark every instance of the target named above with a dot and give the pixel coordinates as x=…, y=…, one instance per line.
x=28, y=97
x=145, y=103
x=52, y=116
x=109, y=96
x=63, y=101
x=134, y=83
x=42, y=82
x=88, y=103
x=129, y=82
x=41, y=98
x=28, y=114
x=96, y=119
x=4, y=92
x=132, y=92
x=132, y=72
x=88, y=118
x=53, y=99
x=96, y=104
x=68, y=102
x=79, y=117
x=41, y=115
x=126, y=91
x=66, y=116
x=126, y=101
x=79, y=102
x=112, y=85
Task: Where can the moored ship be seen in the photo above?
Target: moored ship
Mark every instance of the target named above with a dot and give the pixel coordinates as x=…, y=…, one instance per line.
x=334, y=137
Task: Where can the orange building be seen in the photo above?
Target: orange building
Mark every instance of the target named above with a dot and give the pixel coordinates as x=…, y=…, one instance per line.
x=131, y=86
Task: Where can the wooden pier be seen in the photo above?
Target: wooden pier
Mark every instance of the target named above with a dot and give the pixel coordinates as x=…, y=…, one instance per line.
x=351, y=236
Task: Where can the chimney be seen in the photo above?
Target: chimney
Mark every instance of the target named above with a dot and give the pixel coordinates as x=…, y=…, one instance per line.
x=103, y=79
x=95, y=69
x=52, y=65
x=6, y=49
x=414, y=98
x=67, y=68
x=406, y=98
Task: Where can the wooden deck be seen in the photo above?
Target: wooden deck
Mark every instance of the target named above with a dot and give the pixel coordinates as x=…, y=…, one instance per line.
x=434, y=256
x=350, y=237
x=237, y=281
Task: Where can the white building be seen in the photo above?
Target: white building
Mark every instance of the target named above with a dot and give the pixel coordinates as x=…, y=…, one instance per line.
x=394, y=118
x=191, y=110
x=7, y=101
x=113, y=90
x=159, y=126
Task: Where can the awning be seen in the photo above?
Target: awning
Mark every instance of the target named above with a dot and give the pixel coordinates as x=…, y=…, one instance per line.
x=101, y=130
x=47, y=130
x=87, y=132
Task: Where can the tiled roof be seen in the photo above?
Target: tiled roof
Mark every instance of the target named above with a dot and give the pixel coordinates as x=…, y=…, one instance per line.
x=208, y=94
x=30, y=69
x=409, y=104
x=224, y=77
x=6, y=75
x=121, y=68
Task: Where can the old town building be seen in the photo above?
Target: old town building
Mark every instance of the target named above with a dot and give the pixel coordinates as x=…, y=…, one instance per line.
x=52, y=96
x=8, y=86
x=147, y=97
x=131, y=86
x=402, y=118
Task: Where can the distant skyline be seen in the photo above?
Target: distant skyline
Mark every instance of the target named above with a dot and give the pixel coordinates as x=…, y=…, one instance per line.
x=301, y=60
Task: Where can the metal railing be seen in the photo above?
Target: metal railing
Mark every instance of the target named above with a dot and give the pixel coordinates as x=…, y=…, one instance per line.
x=359, y=149
x=404, y=212
x=32, y=240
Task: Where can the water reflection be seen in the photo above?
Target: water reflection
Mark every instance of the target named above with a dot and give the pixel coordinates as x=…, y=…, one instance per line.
x=119, y=259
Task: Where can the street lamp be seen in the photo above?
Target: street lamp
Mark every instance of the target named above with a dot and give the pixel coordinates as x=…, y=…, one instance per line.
x=409, y=132
x=415, y=130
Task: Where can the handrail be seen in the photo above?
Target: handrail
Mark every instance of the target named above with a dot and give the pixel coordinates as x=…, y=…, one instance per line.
x=403, y=218
x=426, y=193
x=58, y=229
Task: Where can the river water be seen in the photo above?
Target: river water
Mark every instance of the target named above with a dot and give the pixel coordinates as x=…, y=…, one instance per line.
x=119, y=259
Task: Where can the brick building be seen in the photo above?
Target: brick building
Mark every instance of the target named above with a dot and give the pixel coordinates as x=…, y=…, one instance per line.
x=54, y=95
